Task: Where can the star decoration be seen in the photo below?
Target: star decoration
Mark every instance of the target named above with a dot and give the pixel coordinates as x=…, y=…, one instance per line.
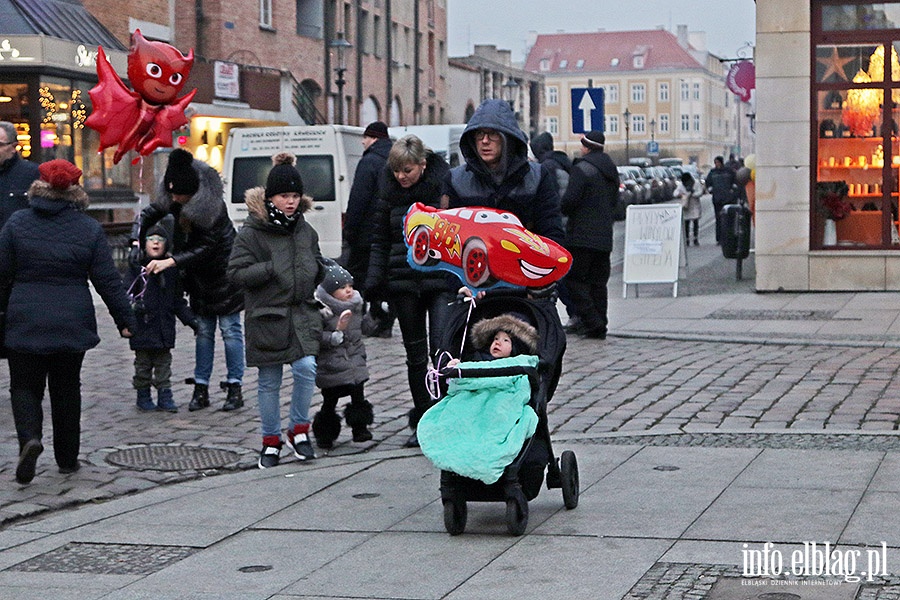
x=834, y=65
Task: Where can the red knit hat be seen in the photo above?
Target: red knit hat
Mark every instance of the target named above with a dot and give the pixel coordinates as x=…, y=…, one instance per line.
x=60, y=174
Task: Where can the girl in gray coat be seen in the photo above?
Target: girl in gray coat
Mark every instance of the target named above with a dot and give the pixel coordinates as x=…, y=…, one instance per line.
x=276, y=261
x=342, y=360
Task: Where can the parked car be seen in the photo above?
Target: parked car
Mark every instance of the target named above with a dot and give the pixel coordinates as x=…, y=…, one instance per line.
x=658, y=189
x=633, y=179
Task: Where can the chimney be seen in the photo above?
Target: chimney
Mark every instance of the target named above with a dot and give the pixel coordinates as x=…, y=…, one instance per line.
x=682, y=36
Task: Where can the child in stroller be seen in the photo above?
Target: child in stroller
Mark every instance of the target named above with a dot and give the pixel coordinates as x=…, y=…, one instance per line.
x=489, y=434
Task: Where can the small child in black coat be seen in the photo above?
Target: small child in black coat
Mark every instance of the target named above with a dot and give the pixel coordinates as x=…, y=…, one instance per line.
x=157, y=299
x=341, y=367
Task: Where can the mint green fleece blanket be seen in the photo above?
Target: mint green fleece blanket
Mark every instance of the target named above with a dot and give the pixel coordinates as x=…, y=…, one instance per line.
x=481, y=424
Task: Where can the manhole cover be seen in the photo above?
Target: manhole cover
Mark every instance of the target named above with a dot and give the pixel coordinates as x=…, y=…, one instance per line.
x=105, y=559
x=807, y=588
x=173, y=458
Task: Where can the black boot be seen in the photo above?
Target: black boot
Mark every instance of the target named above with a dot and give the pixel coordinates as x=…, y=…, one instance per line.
x=234, y=400
x=200, y=399
x=326, y=428
x=359, y=416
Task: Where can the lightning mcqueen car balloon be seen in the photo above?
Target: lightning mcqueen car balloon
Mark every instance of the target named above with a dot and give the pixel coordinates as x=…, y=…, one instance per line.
x=484, y=247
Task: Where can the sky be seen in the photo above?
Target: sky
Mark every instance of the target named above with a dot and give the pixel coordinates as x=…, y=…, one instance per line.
x=729, y=24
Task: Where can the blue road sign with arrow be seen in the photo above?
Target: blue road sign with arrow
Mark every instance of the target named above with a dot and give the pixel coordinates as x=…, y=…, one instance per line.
x=587, y=109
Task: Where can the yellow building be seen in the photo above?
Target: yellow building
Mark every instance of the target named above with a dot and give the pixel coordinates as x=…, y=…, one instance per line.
x=658, y=87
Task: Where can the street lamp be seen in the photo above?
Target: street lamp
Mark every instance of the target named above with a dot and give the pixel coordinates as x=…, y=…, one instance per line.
x=627, y=115
x=652, y=130
x=341, y=45
x=512, y=89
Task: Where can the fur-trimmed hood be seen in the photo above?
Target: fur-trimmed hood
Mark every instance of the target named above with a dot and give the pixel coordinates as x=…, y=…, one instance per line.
x=332, y=306
x=483, y=332
x=206, y=205
x=74, y=194
x=255, y=199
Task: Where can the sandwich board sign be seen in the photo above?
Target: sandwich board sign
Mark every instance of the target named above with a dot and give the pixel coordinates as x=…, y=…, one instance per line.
x=652, y=245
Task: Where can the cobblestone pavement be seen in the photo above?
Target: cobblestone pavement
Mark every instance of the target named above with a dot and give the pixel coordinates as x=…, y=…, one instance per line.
x=617, y=387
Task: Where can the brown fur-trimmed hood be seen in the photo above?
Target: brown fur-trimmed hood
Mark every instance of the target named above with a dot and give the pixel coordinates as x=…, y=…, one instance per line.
x=74, y=193
x=483, y=332
x=255, y=199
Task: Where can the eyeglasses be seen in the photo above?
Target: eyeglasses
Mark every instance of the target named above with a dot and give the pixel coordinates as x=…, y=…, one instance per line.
x=490, y=134
x=156, y=238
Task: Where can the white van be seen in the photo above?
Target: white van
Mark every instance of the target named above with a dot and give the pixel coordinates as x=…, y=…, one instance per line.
x=442, y=139
x=327, y=156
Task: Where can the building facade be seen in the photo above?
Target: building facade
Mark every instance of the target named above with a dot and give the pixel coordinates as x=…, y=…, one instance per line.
x=489, y=73
x=658, y=87
x=828, y=153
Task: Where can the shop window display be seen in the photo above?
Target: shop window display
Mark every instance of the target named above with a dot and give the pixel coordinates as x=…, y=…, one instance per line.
x=857, y=150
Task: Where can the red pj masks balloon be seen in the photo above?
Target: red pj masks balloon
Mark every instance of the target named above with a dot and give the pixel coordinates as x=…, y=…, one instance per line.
x=141, y=119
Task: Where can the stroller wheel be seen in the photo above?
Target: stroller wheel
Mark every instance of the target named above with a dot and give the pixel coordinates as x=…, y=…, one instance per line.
x=516, y=514
x=569, y=473
x=455, y=516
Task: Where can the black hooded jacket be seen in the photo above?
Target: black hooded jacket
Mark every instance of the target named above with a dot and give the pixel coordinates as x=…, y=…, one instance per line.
x=363, y=194
x=525, y=188
x=590, y=201
x=555, y=161
x=388, y=269
x=204, y=236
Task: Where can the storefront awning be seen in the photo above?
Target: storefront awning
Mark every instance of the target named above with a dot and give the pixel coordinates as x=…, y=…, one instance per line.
x=67, y=20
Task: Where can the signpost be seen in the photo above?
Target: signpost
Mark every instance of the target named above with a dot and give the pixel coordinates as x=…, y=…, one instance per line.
x=653, y=148
x=652, y=245
x=587, y=109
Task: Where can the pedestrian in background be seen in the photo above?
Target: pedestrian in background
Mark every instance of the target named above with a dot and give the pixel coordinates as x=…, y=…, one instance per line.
x=16, y=173
x=48, y=254
x=720, y=182
x=358, y=219
x=341, y=370
x=192, y=192
x=688, y=192
x=589, y=203
x=420, y=299
x=156, y=299
x=276, y=261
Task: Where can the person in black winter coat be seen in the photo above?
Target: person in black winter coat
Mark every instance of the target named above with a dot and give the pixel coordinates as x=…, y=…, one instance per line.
x=589, y=203
x=420, y=299
x=498, y=174
x=157, y=299
x=48, y=253
x=192, y=192
x=555, y=161
x=358, y=217
x=16, y=174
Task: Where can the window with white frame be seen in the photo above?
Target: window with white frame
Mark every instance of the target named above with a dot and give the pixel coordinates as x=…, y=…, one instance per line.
x=553, y=125
x=265, y=13
x=638, y=93
x=664, y=91
x=638, y=124
x=545, y=64
x=685, y=122
x=685, y=90
x=612, y=123
x=552, y=95
x=696, y=91
x=579, y=64
x=611, y=93
x=696, y=122
x=663, y=122
x=563, y=63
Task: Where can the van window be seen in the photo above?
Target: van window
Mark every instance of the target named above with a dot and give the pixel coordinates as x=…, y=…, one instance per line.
x=317, y=172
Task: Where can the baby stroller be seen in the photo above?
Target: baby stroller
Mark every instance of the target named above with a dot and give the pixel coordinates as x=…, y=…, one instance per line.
x=522, y=478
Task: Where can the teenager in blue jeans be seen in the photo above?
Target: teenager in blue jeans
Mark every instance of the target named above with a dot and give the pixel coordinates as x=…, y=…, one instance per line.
x=276, y=261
